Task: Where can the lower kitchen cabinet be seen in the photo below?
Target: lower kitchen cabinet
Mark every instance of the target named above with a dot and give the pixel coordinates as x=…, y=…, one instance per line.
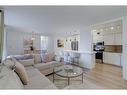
x=112, y=58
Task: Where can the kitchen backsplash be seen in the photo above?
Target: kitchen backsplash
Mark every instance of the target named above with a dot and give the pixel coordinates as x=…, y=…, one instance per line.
x=113, y=48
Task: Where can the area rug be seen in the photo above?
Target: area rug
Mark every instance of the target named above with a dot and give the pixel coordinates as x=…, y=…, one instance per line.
x=75, y=83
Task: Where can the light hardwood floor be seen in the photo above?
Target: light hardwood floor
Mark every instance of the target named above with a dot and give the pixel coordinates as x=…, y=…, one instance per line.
x=108, y=76
x=104, y=75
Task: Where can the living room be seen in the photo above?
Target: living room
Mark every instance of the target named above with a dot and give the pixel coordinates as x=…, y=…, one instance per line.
x=60, y=40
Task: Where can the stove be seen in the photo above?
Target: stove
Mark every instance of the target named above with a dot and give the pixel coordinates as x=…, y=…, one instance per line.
x=99, y=48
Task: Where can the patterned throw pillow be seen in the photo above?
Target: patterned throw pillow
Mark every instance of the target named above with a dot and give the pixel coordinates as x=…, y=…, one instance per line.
x=48, y=57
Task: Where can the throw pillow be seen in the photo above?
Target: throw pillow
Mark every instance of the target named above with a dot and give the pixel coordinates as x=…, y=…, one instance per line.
x=20, y=70
x=37, y=58
x=27, y=62
x=9, y=63
x=57, y=58
x=48, y=57
x=45, y=58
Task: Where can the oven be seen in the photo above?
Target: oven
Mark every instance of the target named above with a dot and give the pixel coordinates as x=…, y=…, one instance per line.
x=99, y=48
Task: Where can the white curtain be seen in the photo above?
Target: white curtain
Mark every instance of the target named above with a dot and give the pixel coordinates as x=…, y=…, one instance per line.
x=44, y=43
x=2, y=37
x=4, y=55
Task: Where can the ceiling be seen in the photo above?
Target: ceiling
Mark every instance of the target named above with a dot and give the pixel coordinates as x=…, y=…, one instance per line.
x=47, y=19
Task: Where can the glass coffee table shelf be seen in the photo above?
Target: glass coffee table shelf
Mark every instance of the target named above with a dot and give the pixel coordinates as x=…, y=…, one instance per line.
x=68, y=71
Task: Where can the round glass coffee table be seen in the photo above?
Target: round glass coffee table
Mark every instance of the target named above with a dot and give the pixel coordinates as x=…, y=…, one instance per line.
x=68, y=71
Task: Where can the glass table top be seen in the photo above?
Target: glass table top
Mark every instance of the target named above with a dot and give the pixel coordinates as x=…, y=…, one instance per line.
x=68, y=71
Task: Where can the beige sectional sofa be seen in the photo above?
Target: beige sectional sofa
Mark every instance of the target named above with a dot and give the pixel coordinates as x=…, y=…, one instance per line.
x=36, y=80
x=36, y=74
x=44, y=68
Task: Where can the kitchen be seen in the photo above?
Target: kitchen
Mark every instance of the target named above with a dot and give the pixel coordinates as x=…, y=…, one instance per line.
x=107, y=42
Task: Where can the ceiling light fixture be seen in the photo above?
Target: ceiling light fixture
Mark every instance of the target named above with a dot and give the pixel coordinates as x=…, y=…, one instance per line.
x=112, y=28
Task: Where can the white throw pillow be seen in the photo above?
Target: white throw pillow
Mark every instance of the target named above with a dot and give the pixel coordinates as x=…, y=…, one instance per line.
x=8, y=63
x=57, y=58
x=21, y=71
x=27, y=62
x=37, y=58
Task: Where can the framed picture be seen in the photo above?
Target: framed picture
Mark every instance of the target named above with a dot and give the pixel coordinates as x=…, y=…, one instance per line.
x=60, y=43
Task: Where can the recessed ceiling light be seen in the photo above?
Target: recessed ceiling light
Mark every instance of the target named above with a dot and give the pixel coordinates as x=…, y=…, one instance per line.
x=112, y=28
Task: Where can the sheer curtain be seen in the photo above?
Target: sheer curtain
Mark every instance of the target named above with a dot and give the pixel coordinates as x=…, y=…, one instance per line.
x=44, y=43
x=1, y=34
x=4, y=55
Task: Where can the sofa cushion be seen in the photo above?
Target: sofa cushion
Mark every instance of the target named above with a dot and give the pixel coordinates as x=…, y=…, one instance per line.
x=38, y=80
x=56, y=63
x=27, y=62
x=42, y=66
x=20, y=70
x=10, y=79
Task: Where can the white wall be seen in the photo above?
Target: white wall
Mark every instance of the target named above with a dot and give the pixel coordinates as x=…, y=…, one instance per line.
x=15, y=41
x=124, y=56
x=87, y=58
x=85, y=39
x=50, y=43
x=0, y=36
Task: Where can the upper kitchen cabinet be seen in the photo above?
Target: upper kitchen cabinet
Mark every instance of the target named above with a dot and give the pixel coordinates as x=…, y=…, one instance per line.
x=118, y=39
x=109, y=39
x=110, y=33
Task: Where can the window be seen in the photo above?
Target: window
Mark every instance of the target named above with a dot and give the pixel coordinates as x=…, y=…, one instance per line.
x=44, y=43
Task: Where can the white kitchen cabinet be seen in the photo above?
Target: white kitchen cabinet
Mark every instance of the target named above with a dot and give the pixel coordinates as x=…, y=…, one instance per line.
x=109, y=39
x=110, y=33
x=112, y=58
x=97, y=37
x=118, y=39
